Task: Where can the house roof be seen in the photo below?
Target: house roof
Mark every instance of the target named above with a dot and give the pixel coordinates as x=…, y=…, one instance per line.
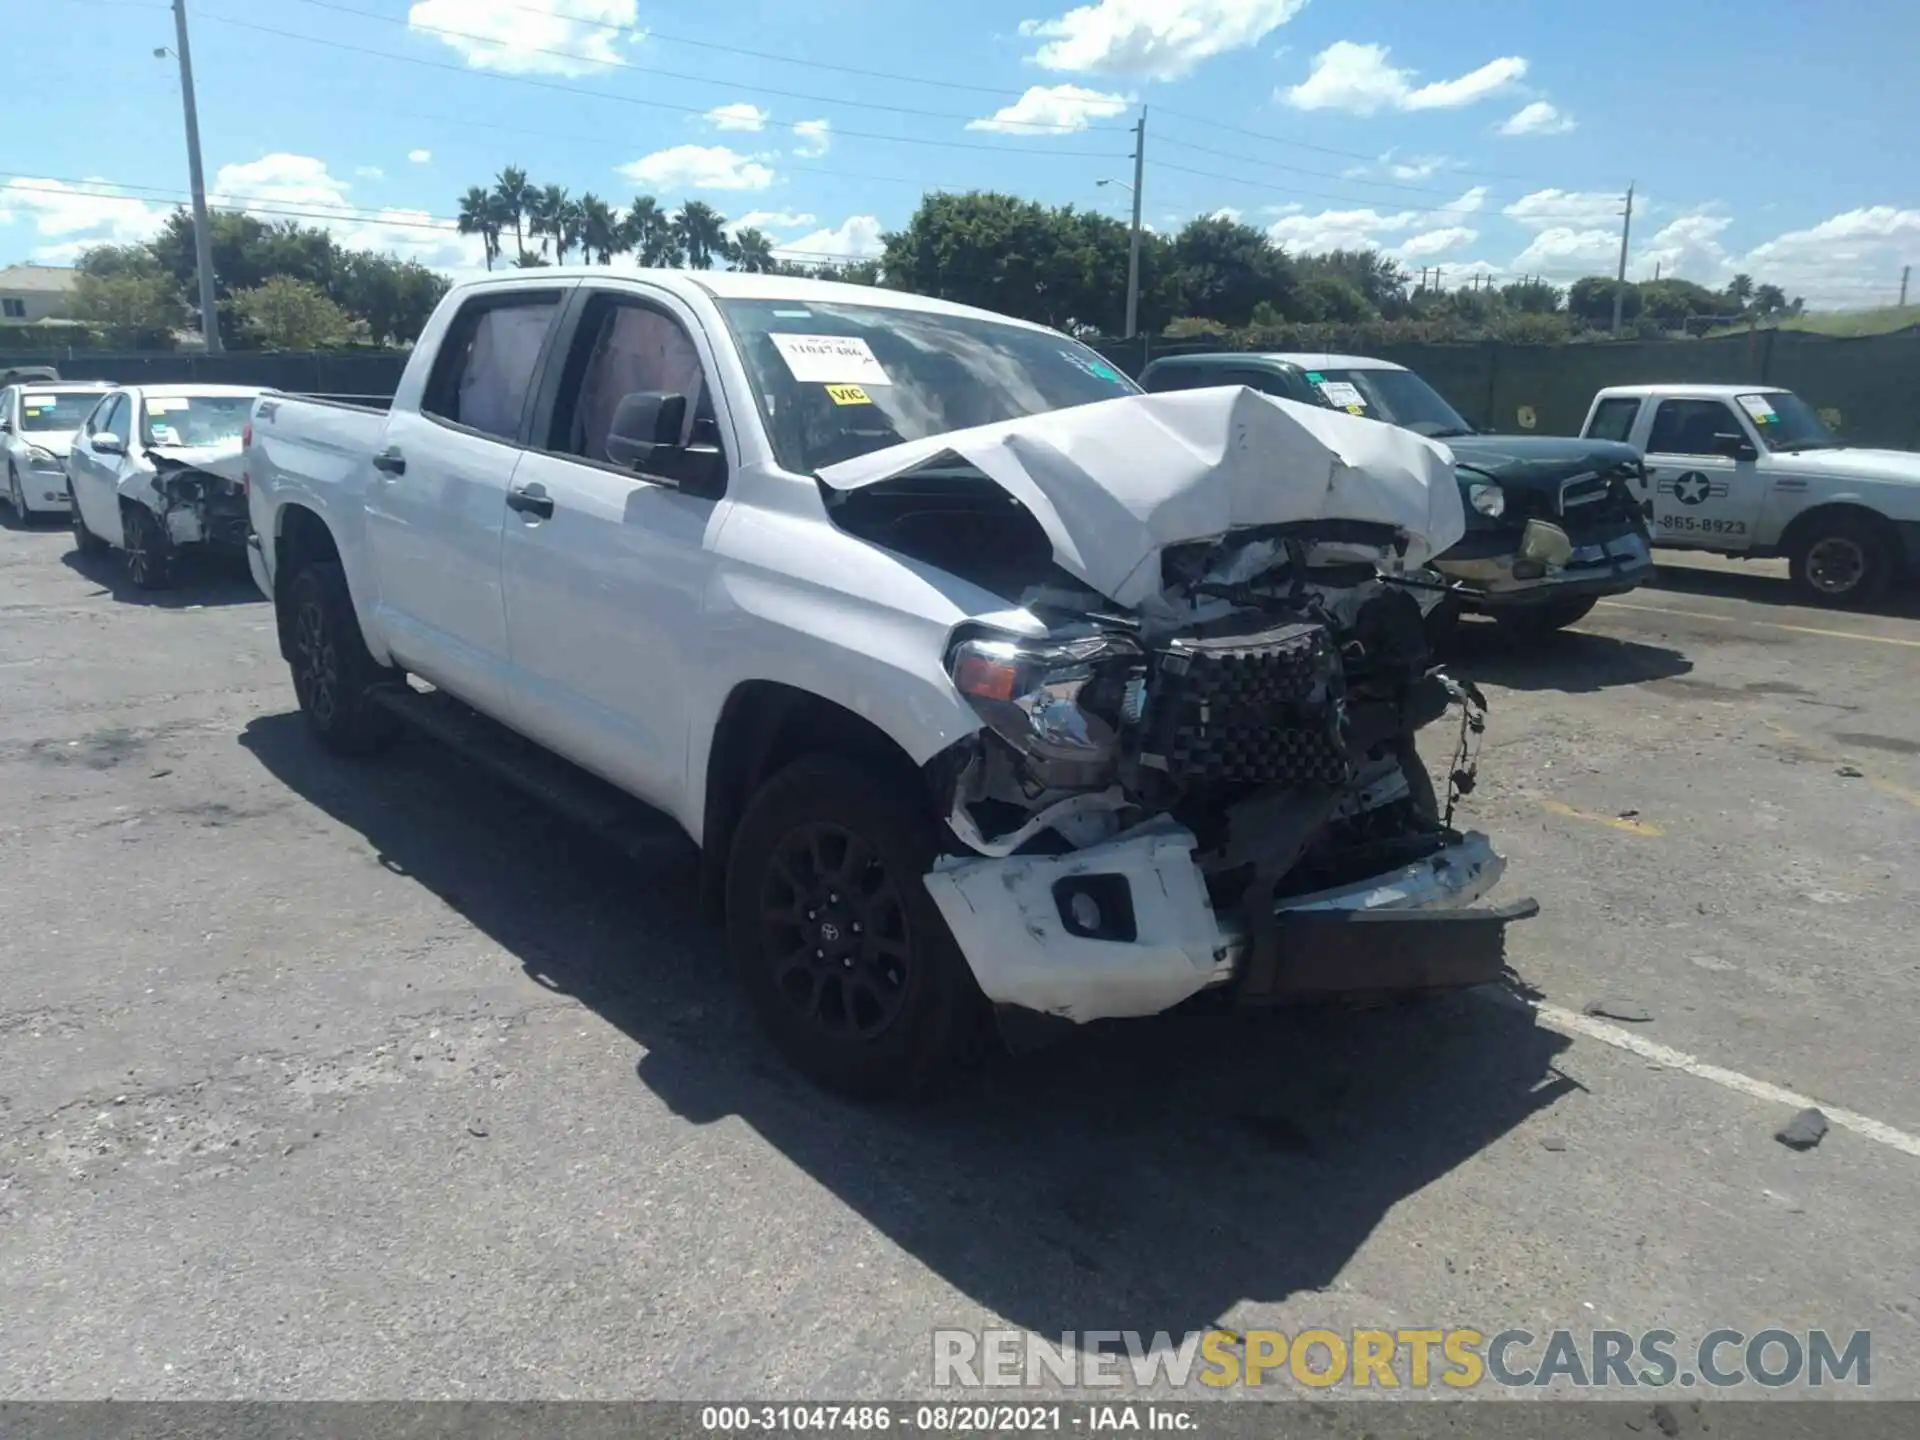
x=38, y=279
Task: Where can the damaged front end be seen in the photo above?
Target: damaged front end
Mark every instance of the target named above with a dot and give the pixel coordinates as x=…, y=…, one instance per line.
x=199, y=495
x=1214, y=787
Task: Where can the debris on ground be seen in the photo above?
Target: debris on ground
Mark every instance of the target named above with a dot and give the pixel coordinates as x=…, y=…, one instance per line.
x=1554, y=1143
x=1664, y=1418
x=1804, y=1131
x=1619, y=1009
x=1850, y=772
x=477, y=1130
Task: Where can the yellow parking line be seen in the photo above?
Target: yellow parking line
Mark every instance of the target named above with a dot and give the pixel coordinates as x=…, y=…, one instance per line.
x=1886, y=787
x=1618, y=822
x=1763, y=624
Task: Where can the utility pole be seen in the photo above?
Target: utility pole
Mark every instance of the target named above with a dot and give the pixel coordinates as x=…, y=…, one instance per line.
x=1620, y=282
x=1133, y=243
x=1905, y=271
x=202, y=230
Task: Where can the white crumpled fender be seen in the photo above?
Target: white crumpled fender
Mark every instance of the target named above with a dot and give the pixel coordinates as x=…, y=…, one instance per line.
x=1115, y=482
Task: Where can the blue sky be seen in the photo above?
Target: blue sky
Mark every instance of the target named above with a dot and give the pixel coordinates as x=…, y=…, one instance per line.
x=1483, y=136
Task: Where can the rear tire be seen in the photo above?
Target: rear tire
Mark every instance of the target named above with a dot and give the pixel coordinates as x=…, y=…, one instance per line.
x=150, y=552
x=846, y=958
x=84, y=540
x=335, y=676
x=1844, y=561
x=1539, y=621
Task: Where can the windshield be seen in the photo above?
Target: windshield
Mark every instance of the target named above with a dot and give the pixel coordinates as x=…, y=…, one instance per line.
x=1398, y=397
x=195, y=419
x=55, y=413
x=835, y=381
x=1786, y=422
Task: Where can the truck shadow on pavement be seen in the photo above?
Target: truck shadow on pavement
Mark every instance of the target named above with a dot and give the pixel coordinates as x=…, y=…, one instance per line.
x=208, y=581
x=1573, y=661
x=1899, y=602
x=1150, y=1175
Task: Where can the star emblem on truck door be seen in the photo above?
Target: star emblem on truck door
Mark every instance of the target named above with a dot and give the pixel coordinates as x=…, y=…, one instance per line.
x=1693, y=487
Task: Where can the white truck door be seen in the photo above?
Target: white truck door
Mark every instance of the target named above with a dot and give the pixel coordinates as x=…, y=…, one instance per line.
x=1703, y=497
x=436, y=501
x=605, y=557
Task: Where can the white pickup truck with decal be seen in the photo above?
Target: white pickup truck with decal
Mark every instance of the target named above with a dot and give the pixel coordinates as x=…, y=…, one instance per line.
x=1752, y=471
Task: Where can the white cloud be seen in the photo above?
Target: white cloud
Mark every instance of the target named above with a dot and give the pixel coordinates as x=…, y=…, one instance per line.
x=1435, y=242
x=855, y=238
x=1226, y=212
x=738, y=116
x=770, y=220
x=1579, y=209
x=281, y=181
x=698, y=167
x=522, y=36
x=1688, y=248
x=1368, y=228
x=369, y=172
x=1357, y=79
x=1561, y=252
x=74, y=218
x=1052, y=110
x=1539, y=118
x=1851, y=260
x=420, y=157
x=812, y=138
x=1153, y=39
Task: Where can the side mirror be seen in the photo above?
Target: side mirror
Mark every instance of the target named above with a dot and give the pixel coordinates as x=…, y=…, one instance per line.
x=1734, y=447
x=6, y=427
x=644, y=422
x=107, y=443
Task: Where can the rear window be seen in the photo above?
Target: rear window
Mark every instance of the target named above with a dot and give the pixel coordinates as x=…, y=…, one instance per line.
x=55, y=413
x=191, y=420
x=1613, y=419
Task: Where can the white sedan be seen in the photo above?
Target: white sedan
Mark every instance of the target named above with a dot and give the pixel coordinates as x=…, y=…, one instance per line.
x=158, y=468
x=37, y=425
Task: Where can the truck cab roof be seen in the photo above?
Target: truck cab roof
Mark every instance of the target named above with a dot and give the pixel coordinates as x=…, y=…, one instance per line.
x=1273, y=360
x=1687, y=390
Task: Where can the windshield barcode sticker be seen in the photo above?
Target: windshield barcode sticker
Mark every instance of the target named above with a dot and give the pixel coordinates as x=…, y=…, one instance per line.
x=829, y=359
x=38, y=401
x=1758, y=408
x=1343, y=395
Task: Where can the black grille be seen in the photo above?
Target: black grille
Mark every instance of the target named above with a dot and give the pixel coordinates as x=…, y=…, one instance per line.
x=1258, y=709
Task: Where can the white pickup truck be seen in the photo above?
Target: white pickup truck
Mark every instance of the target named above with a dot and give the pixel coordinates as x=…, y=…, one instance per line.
x=983, y=681
x=1750, y=470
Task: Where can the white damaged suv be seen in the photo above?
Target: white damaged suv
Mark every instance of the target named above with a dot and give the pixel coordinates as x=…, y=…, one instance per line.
x=985, y=683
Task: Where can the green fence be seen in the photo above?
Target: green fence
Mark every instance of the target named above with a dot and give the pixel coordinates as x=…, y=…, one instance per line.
x=1872, y=384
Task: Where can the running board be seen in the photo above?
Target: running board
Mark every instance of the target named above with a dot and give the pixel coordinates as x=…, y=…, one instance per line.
x=631, y=827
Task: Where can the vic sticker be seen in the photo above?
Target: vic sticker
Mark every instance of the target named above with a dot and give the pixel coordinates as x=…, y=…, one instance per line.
x=848, y=395
x=829, y=359
x=1693, y=488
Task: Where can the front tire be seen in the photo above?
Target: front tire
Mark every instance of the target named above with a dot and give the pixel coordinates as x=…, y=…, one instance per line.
x=150, y=552
x=335, y=676
x=846, y=958
x=84, y=540
x=17, y=498
x=1536, y=622
x=1843, y=561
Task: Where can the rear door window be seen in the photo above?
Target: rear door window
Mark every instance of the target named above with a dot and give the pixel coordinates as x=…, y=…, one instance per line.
x=484, y=372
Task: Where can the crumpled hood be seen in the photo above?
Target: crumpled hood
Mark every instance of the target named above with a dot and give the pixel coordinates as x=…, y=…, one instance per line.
x=226, y=459
x=1897, y=465
x=54, y=442
x=1116, y=482
x=1543, y=460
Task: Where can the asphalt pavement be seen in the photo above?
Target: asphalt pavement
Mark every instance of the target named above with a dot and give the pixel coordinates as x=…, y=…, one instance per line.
x=332, y=1080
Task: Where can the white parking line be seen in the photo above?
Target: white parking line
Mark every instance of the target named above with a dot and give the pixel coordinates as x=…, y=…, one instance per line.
x=1569, y=1022
x=1762, y=624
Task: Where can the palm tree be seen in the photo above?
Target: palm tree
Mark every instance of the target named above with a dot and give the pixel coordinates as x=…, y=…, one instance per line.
x=570, y=230
x=650, y=234
x=514, y=192
x=750, y=250
x=1740, y=291
x=703, y=233
x=600, y=229
x=479, y=215
x=546, y=215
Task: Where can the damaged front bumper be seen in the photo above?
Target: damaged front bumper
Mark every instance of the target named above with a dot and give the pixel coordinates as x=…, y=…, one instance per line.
x=1546, y=563
x=1126, y=928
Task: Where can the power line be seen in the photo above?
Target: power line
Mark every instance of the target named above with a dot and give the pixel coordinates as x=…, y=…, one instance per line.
x=618, y=64
x=1295, y=169
x=575, y=90
x=1570, y=217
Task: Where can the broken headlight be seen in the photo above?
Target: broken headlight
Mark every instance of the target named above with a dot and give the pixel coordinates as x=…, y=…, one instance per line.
x=1030, y=692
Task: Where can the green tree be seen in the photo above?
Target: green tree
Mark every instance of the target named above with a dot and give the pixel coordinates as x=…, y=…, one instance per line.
x=601, y=236
x=393, y=297
x=1327, y=298
x=1380, y=281
x=1739, y=293
x=285, y=313
x=1673, y=302
x=702, y=232
x=514, y=194
x=750, y=250
x=1769, y=301
x=480, y=214
x=129, y=306
x=1591, y=300
x=1227, y=267
x=648, y=233
x=1531, y=297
